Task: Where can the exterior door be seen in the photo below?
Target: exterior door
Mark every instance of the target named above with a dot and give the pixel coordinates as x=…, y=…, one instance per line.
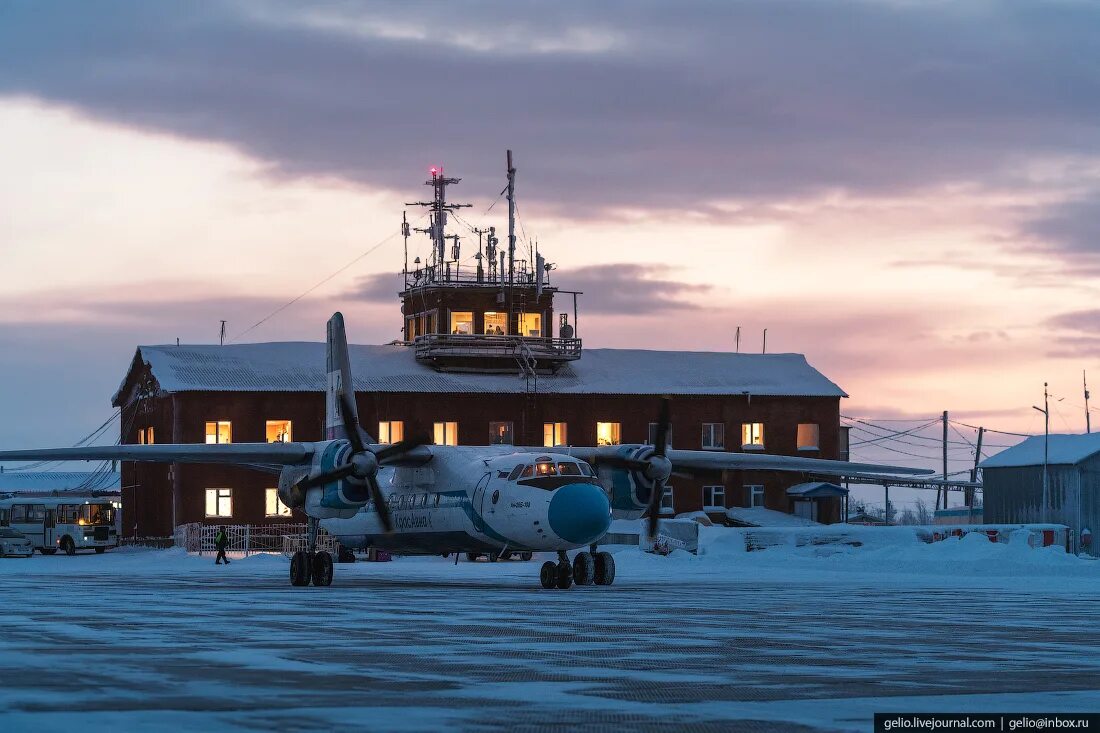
x=477, y=503
x=49, y=523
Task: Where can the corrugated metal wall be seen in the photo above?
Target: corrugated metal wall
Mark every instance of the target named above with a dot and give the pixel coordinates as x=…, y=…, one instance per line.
x=1015, y=496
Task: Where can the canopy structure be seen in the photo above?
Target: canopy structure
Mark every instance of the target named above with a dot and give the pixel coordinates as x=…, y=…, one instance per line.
x=816, y=490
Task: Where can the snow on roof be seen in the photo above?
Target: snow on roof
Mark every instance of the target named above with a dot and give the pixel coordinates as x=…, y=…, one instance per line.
x=40, y=481
x=1064, y=450
x=761, y=517
x=300, y=367
x=817, y=488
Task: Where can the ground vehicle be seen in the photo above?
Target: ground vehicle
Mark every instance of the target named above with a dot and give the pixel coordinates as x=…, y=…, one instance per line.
x=14, y=544
x=67, y=523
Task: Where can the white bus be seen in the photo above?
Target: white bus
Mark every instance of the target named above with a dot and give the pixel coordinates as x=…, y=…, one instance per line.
x=66, y=523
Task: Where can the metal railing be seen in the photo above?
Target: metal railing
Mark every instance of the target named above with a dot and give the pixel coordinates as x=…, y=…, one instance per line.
x=460, y=344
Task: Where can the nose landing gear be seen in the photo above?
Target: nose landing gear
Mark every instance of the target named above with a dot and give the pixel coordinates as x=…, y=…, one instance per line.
x=587, y=568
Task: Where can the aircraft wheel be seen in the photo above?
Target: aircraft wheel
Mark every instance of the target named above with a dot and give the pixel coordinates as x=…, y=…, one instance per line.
x=68, y=546
x=549, y=575
x=605, y=568
x=526, y=556
x=299, y=568
x=565, y=574
x=100, y=550
x=472, y=556
x=584, y=568
x=322, y=569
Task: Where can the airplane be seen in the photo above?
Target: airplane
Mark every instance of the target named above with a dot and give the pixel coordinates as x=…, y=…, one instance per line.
x=455, y=499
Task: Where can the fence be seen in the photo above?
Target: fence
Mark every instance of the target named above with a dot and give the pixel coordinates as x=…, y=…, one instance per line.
x=247, y=539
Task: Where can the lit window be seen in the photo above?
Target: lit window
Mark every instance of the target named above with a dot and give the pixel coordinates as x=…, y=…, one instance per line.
x=149, y=438
x=714, y=436
x=752, y=435
x=756, y=496
x=530, y=324
x=714, y=497
x=607, y=433
x=274, y=506
x=496, y=324
x=545, y=469
x=219, y=502
x=391, y=431
x=462, y=322
x=500, y=433
x=667, y=501
x=145, y=436
x=653, y=434
x=446, y=433
x=554, y=433
x=219, y=432
x=278, y=431
x=809, y=436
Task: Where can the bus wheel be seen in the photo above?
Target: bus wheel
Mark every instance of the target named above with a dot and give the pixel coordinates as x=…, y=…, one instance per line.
x=47, y=551
x=100, y=550
x=68, y=545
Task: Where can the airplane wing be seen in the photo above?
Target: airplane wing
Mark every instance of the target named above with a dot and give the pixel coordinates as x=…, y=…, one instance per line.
x=721, y=460
x=233, y=453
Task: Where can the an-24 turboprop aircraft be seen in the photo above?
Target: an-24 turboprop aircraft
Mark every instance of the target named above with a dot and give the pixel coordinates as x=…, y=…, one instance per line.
x=444, y=499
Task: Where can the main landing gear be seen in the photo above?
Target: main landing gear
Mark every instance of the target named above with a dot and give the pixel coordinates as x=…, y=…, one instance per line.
x=312, y=565
x=587, y=568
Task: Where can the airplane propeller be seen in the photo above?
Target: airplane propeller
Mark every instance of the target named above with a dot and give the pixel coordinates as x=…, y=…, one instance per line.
x=656, y=467
x=363, y=463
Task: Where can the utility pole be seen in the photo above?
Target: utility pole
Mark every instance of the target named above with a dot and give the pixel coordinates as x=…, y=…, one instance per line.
x=221, y=335
x=944, y=465
x=764, y=349
x=511, y=236
x=1088, y=418
x=737, y=341
x=974, y=471
x=1045, y=409
x=405, y=234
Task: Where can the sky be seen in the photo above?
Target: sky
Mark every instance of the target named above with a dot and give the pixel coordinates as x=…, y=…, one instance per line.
x=906, y=192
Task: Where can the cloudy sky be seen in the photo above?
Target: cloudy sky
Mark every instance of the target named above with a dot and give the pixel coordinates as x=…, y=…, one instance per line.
x=906, y=192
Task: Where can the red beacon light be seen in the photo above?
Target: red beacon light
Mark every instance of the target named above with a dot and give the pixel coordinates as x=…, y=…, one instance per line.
x=434, y=170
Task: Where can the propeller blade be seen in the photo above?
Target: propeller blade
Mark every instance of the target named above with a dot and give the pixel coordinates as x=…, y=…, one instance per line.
x=351, y=424
x=325, y=478
x=380, y=504
x=399, y=448
x=654, y=509
x=663, y=423
x=624, y=463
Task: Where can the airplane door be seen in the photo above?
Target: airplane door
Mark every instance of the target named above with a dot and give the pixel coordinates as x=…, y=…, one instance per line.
x=477, y=503
x=48, y=529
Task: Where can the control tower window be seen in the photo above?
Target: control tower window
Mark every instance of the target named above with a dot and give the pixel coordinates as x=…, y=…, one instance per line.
x=278, y=431
x=554, y=433
x=500, y=433
x=462, y=322
x=608, y=433
x=496, y=324
x=530, y=324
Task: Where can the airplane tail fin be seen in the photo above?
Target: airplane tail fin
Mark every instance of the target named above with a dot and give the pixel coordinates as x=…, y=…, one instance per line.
x=338, y=366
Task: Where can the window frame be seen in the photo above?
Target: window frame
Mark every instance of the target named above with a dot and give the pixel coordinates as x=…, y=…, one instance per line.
x=218, y=499
x=749, y=429
x=708, y=431
x=279, y=505
x=217, y=431
x=755, y=490
x=511, y=430
x=559, y=434
x=617, y=428
x=651, y=434
x=454, y=322
x=448, y=429
x=386, y=431
x=816, y=433
x=289, y=435
x=669, y=495
x=715, y=490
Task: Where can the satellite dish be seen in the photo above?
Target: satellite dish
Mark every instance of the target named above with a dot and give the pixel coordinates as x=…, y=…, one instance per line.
x=566, y=331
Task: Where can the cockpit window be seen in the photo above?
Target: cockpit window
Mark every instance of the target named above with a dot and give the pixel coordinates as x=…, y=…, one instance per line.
x=546, y=469
x=569, y=469
x=528, y=471
x=587, y=470
x=515, y=472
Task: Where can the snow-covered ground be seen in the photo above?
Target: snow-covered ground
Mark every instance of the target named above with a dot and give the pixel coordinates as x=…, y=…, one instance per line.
x=784, y=639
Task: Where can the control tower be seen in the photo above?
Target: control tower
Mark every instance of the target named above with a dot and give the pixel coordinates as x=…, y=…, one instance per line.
x=493, y=311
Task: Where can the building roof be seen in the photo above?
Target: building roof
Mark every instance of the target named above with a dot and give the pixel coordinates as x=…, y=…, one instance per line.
x=300, y=367
x=1065, y=450
x=46, y=481
x=816, y=490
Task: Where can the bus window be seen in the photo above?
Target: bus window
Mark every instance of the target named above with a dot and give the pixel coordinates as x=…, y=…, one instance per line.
x=18, y=513
x=97, y=514
x=68, y=513
x=3, y=517
x=36, y=513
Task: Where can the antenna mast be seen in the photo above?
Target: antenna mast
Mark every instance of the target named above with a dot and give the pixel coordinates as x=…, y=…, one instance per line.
x=437, y=230
x=1088, y=417
x=511, y=235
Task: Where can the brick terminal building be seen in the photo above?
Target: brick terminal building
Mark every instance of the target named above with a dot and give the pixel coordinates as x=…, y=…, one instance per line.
x=480, y=364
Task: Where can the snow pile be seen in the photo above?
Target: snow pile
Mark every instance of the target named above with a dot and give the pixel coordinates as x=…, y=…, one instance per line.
x=761, y=517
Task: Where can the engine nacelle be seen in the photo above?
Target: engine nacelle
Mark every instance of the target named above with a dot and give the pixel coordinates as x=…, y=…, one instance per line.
x=630, y=489
x=341, y=498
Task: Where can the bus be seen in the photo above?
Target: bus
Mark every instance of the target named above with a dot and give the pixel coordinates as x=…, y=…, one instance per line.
x=66, y=523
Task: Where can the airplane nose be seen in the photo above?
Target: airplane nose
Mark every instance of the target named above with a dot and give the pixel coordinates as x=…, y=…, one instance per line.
x=579, y=513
